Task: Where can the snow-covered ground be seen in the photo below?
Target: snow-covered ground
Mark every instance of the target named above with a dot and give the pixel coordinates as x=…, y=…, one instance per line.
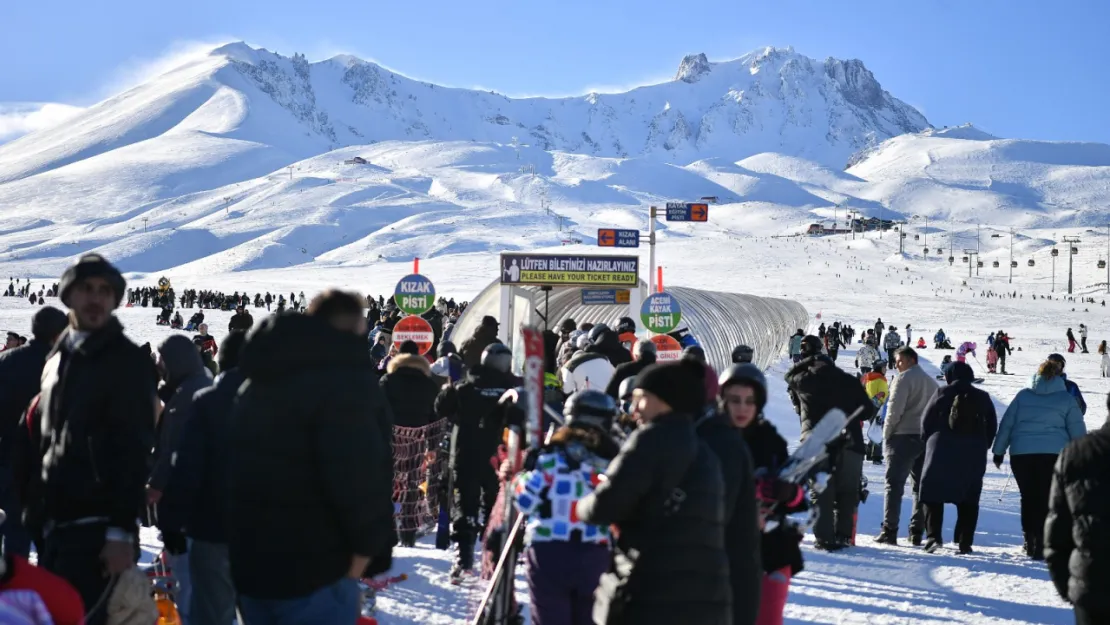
x=840, y=279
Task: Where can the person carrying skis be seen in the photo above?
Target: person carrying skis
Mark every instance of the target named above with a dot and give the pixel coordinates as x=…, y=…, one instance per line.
x=891, y=343
x=742, y=398
x=478, y=420
x=665, y=495
x=965, y=348
x=1071, y=341
x=816, y=386
x=566, y=556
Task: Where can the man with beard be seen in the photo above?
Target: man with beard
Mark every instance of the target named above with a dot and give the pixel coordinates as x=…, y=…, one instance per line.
x=94, y=432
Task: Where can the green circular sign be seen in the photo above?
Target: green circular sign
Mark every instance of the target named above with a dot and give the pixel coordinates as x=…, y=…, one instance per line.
x=415, y=294
x=660, y=313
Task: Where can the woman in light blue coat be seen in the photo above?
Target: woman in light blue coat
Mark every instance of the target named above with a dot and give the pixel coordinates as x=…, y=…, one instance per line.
x=1040, y=421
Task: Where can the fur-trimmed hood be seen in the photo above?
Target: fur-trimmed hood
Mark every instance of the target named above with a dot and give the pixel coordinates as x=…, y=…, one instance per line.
x=410, y=361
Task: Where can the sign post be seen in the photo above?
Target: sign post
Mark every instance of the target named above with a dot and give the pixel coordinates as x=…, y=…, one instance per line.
x=415, y=294
x=661, y=312
x=415, y=329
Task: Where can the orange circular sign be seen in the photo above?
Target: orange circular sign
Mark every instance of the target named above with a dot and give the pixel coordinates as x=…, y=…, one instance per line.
x=415, y=329
x=667, y=348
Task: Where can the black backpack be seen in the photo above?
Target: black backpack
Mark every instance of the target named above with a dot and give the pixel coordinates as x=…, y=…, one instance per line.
x=964, y=417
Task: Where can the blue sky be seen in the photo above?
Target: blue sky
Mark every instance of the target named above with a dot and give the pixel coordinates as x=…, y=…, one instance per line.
x=1018, y=68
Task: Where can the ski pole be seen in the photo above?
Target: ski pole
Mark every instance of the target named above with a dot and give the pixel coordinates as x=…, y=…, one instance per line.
x=1009, y=476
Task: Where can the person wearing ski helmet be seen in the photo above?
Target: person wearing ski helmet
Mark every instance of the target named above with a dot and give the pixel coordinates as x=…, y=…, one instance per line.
x=566, y=556
x=606, y=342
x=477, y=420
x=817, y=386
x=626, y=332
x=743, y=396
x=742, y=354
x=643, y=356
x=448, y=367
x=590, y=368
x=665, y=494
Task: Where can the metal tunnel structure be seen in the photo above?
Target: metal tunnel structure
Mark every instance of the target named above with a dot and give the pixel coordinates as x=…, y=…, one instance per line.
x=719, y=321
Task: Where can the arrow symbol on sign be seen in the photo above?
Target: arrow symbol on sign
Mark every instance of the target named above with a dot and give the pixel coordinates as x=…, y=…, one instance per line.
x=605, y=237
x=698, y=211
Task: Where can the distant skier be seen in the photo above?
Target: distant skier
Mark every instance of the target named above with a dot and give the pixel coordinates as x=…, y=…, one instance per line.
x=879, y=325
x=1002, y=346
x=1105, y=353
x=992, y=359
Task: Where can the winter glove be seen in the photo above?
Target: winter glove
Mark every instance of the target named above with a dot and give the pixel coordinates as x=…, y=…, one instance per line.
x=776, y=490
x=998, y=461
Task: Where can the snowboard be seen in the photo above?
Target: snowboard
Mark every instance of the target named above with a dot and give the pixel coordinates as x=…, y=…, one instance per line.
x=815, y=448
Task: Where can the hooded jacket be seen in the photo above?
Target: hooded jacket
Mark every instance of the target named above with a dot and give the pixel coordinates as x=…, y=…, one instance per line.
x=796, y=344
x=586, y=370
x=476, y=416
x=1042, y=419
x=311, y=433
x=892, y=340
x=609, y=345
x=185, y=374
x=955, y=462
x=816, y=386
x=628, y=370
x=472, y=348
x=909, y=396
x=410, y=391
x=669, y=563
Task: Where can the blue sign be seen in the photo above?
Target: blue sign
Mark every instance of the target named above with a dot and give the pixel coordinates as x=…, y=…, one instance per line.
x=604, y=297
x=616, y=237
x=415, y=294
x=686, y=211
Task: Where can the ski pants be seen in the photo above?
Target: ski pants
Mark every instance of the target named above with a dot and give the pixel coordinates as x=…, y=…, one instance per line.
x=967, y=518
x=476, y=491
x=905, y=455
x=1033, y=474
x=1002, y=360
x=562, y=577
x=837, y=504
x=772, y=598
x=1083, y=344
x=73, y=553
x=1084, y=616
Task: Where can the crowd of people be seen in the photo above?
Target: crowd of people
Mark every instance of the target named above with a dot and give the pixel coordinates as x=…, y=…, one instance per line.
x=655, y=499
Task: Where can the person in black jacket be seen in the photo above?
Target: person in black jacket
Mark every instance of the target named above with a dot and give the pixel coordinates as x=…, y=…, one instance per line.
x=665, y=496
x=311, y=477
x=477, y=422
x=743, y=395
x=725, y=439
x=199, y=478
x=1075, y=546
x=20, y=376
x=241, y=321
x=411, y=393
x=958, y=428
x=92, y=430
x=816, y=386
x=484, y=335
x=643, y=354
x=608, y=344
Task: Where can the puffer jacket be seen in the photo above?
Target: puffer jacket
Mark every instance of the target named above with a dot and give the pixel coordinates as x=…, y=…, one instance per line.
x=410, y=391
x=665, y=494
x=892, y=340
x=1042, y=419
x=587, y=370
x=867, y=356
x=1076, y=550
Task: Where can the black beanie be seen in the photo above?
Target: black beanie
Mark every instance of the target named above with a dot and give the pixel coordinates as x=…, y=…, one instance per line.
x=680, y=384
x=91, y=266
x=48, y=323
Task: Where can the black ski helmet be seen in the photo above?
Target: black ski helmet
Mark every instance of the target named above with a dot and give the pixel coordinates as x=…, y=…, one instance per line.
x=626, y=324
x=497, y=356
x=627, y=386
x=747, y=374
x=446, y=348
x=695, y=353
x=742, y=354
x=811, y=346
x=596, y=332
x=591, y=408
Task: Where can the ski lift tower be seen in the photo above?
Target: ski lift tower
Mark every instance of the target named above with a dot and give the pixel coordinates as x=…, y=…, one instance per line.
x=1072, y=251
x=972, y=255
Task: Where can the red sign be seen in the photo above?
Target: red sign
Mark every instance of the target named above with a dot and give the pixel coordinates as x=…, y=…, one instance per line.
x=415, y=329
x=667, y=349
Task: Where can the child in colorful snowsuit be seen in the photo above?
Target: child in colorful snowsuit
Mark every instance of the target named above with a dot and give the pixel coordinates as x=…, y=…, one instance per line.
x=566, y=556
x=877, y=389
x=992, y=359
x=963, y=350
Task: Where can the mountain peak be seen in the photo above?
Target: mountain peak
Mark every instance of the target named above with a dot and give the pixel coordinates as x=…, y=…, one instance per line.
x=692, y=67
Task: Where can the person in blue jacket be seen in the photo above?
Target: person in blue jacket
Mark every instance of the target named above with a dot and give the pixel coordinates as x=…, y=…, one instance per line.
x=1072, y=387
x=1040, y=421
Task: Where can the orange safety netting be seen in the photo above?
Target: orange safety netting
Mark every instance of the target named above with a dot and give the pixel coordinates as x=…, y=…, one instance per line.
x=419, y=467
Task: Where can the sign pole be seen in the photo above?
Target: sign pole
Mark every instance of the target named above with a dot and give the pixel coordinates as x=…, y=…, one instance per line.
x=659, y=279
x=651, y=250
x=416, y=265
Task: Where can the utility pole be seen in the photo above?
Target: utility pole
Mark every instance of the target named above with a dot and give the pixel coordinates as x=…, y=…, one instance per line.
x=1071, y=241
x=1011, y=255
x=227, y=205
x=290, y=168
x=1108, y=258
x=1054, y=253
x=971, y=256
x=652, y=213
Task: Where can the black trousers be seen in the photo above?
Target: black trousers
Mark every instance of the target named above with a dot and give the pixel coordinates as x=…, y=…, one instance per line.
x=967, y=518
x=73, y=553
x=1087, y=617
x=1033, y=474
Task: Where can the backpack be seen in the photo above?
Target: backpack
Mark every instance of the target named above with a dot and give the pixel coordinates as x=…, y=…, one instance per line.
x=964, y=417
